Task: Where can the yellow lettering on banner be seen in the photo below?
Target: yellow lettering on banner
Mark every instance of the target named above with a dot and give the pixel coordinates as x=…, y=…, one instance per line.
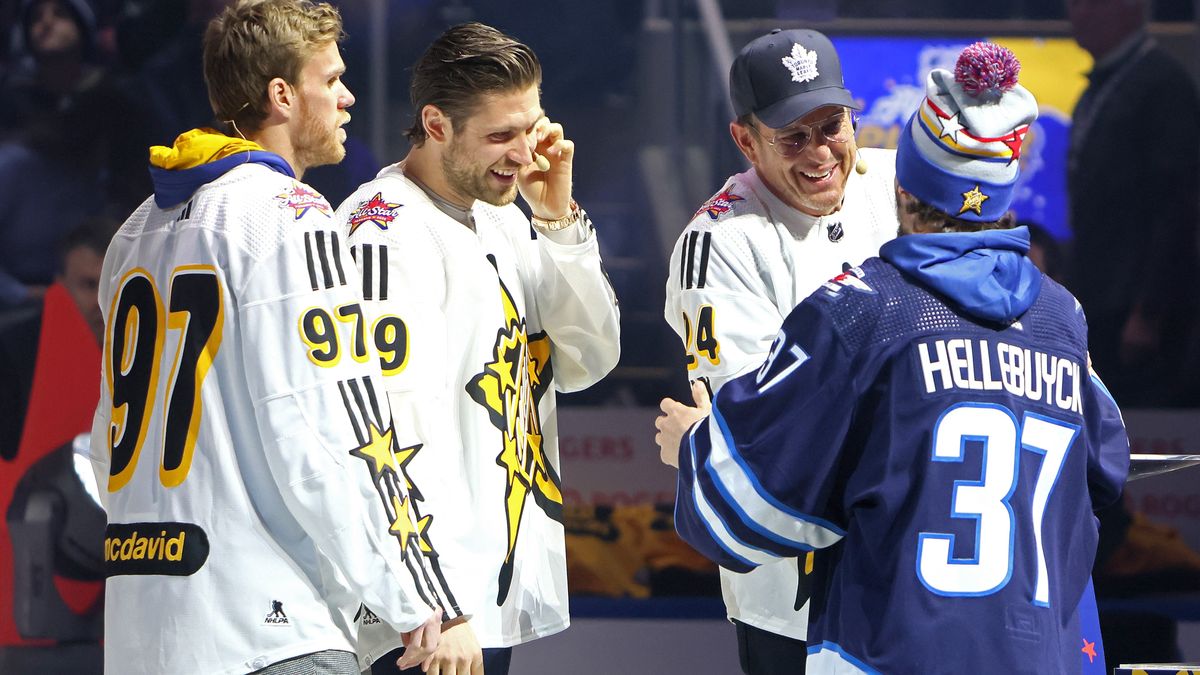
x=127, y=547
x=177, y=543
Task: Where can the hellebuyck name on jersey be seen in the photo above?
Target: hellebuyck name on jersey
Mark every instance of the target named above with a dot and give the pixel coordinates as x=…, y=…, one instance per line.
x=987, y=365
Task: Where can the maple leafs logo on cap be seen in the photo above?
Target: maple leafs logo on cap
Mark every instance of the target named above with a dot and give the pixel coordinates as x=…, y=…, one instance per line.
x=802, y=63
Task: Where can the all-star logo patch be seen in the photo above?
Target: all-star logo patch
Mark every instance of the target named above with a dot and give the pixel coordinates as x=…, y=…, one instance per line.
x=720, y=204
x=802, y=63
x=301, y=200
x=375, y=210
x=276, y=617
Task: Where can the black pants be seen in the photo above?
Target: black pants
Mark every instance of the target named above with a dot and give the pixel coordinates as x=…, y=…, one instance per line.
x=764, y=653
x=495, y=662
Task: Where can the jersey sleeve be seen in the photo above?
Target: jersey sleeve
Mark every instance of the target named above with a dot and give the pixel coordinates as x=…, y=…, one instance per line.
x=1107, y=443
x=758, y=478
x=97, y=449
x=576, y=305
x=715, y=302
x=324, y=421
x=404, y=284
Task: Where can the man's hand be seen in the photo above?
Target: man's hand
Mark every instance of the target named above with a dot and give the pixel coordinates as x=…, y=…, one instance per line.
x=548, y=192
x=676, y=419
x=420, y=643
x=458, y=653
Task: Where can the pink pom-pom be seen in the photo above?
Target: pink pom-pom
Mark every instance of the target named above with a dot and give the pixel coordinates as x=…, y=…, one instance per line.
x=986, y=67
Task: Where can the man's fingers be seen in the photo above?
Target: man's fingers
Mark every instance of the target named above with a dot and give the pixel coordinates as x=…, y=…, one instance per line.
x=409, y=658
x=668, y=405
x=420, y=642
x=700, y=395
x=549, y=132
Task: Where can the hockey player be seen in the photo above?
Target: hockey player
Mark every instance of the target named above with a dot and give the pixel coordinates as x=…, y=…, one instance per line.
x=481, y=316
x=932, y=412
x=242, y=440
x=811, y=204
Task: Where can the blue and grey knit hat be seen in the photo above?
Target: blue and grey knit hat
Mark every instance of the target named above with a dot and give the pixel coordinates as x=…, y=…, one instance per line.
x=960, y=150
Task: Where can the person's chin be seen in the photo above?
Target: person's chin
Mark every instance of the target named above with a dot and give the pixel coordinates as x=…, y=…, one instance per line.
x=503, y=198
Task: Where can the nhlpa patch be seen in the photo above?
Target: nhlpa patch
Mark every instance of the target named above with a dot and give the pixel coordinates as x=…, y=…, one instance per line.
x=374, y=210
x=720, y=204
x=851, y=278
x=300, y=199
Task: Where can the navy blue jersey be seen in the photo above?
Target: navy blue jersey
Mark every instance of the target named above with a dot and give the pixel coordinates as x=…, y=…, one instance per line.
x=952, y=466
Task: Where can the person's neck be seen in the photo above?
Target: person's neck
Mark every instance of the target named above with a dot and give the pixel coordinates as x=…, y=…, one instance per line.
x=424, y=165
x=275, y=139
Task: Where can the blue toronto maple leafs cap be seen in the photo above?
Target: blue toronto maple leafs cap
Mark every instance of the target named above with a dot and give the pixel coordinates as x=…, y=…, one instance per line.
x=786, y=74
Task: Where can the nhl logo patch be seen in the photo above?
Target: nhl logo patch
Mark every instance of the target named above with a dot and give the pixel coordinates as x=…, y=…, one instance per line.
x=301, y=200
x=834, y=231
x=374, y=210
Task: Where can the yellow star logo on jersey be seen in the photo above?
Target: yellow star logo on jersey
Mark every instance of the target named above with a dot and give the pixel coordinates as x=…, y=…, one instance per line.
x=377, y=451
x=402, y=524
x=403, y=457
x=423, y=539
x=510, y=388
x=973, y=201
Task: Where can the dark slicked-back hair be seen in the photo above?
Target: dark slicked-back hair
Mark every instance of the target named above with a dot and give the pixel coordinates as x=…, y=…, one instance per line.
x=463, y=64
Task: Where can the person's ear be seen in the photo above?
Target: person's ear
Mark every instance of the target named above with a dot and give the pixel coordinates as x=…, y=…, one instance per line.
x=437, y=125
x=742, y=137
x=281, y=96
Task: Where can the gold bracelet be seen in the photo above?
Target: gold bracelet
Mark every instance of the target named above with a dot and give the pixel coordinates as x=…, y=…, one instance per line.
x=563, y=223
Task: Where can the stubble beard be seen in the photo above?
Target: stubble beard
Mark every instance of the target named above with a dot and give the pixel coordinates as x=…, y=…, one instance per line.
x=318, y=143
x=471, y=184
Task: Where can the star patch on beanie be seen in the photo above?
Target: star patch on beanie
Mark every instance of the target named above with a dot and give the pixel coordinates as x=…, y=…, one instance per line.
x=960, y=151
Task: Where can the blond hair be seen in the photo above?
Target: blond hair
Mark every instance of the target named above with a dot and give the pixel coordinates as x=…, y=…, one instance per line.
x=255, y=41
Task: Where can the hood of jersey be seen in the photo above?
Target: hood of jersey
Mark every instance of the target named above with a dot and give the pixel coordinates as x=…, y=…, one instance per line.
x=985, y=274
x=201, y=156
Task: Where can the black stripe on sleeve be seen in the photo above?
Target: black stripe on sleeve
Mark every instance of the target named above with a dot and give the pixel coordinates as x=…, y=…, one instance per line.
x=370, y=387
x=413, y=561
x=358, y=432
x=383, y=272
x=690, y=246
x=308, y=255
x=360, y=404
x=368, y=262
x=336, y=242
x=683, y=264
x=704, y=259
x=326, y=272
